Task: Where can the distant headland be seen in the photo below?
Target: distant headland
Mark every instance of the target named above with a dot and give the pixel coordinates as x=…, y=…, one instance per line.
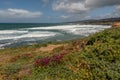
x=106, y=21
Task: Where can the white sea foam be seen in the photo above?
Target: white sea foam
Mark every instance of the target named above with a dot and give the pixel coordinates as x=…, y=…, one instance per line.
x=66, y=27
x=12, y=31
x=36, y=34
x=75, y=29
x=2, y=45
x=78, y=29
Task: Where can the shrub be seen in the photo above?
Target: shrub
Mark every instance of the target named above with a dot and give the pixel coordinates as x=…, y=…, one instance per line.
x=22, y=56
x=12, y=68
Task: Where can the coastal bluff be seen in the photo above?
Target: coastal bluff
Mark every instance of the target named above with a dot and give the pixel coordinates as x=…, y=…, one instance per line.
x=116, y=24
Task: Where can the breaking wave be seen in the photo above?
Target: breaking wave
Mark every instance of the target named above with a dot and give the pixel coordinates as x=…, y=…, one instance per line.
x=11, y=37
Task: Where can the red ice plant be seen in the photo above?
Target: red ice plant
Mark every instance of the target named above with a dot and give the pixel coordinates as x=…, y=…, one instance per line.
x=56, y=58
x=42, y=62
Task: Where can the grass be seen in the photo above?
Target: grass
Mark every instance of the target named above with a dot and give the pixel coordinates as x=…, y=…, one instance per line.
x=96, y=57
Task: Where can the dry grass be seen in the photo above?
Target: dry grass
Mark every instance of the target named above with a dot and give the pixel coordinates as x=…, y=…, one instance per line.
x=49, y=47
x=4, y=59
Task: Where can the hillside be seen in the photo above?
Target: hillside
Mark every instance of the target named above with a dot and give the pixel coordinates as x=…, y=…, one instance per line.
x=106, y=21
x=96, y=57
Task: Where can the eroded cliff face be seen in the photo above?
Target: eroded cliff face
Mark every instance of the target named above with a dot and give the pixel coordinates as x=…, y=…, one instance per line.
x=116, y=24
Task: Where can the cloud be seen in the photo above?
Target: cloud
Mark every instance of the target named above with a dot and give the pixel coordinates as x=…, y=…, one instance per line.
x=69, y=6
x=82, y=6
x=113, y=14
x=101, y=3
x=18, y=13
x=65, y=16
x=116, y=12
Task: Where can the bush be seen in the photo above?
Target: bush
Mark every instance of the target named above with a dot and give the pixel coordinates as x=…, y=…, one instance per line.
x=12, y=68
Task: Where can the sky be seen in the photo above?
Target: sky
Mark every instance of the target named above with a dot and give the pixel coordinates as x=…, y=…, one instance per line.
x=54, y=11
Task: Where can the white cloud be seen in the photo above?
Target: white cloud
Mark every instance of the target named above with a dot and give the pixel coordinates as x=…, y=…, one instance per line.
x=116, y=12
x=18, y=13
x=82, y=6
x=81, y=9
x=69, y=6
x=65, y=16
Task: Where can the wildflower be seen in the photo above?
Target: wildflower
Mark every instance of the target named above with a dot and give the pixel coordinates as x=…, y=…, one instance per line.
x=42, y=62
x=56, y=58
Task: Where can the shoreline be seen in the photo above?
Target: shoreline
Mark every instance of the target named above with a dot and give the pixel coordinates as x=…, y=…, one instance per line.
x=70, y=32
x=113, y=25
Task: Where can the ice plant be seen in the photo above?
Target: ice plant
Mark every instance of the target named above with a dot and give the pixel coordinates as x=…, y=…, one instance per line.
x=56, y=58
x=42, y=62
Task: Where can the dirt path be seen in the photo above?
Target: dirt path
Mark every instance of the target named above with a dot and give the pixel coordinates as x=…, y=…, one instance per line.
x=49, y=48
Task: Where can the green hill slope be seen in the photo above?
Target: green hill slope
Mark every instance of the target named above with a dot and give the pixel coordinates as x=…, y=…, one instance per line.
x=96, y=57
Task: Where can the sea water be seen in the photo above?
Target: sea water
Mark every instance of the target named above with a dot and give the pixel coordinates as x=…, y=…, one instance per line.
x=18, y=34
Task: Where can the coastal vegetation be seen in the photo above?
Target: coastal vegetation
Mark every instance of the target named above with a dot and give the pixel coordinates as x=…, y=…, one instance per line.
x=96, y=57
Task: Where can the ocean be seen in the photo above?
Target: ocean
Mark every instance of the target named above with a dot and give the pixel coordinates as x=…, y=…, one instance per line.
x=19, y=34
